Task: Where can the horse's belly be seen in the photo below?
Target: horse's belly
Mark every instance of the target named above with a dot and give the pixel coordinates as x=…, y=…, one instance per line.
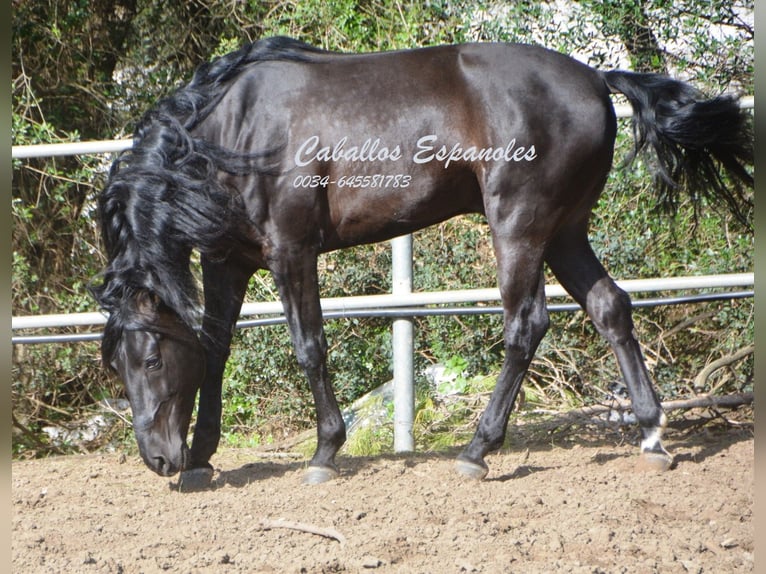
x=394, y=207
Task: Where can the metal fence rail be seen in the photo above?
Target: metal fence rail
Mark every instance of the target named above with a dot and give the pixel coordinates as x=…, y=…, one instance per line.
x=408, y=313
x=408, y=303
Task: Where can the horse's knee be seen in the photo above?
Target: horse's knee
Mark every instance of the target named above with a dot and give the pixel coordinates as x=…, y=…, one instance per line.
x=523, y=335
x=610, y=310
x=311, y=353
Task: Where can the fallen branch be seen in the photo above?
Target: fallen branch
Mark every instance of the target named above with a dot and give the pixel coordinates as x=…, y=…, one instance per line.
x=700, y=380
x=703, y=401
x=618, y=405
x=267, y=524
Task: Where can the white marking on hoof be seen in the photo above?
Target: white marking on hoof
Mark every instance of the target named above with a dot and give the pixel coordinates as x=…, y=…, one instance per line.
x=319, y=474
x=471, y=470
x=653, y=456
x=195, y=479
x=653, y=437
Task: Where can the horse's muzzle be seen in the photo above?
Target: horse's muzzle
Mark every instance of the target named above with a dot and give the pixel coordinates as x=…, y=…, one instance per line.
x=165, y=460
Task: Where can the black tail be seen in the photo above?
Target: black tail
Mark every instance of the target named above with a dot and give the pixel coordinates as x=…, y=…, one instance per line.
x=702, y=145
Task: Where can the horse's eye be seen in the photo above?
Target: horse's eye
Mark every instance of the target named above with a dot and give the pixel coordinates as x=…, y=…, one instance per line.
x=153, y=363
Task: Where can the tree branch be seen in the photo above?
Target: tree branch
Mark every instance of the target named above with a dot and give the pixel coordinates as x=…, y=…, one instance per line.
x=700, y=401
x=701, y=379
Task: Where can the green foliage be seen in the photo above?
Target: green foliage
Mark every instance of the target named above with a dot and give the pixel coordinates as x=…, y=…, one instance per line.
x=55, y=252
x=708, y=43
x=89, y=69
x=354, y=25
x=446, y=417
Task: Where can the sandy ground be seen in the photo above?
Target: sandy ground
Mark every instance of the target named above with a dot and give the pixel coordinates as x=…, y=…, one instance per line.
x=577, y=505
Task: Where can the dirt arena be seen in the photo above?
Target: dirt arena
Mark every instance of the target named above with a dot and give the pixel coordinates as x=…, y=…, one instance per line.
x=574, y=504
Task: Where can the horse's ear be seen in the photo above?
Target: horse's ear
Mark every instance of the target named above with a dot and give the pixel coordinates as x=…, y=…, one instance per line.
x=147, y=303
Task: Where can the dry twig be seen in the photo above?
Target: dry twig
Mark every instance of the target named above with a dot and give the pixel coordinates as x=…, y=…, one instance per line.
x=267, y=524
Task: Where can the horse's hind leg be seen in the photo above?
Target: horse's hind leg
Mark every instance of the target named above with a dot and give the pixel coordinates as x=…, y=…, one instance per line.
x=577, y=268
x=522, y=288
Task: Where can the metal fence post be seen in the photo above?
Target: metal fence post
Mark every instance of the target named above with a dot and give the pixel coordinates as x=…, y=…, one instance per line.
x=403, y=348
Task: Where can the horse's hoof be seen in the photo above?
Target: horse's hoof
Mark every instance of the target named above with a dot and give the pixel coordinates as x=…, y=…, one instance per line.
x=654, y=462
x=471, y=470
x=319, y=474
x=195, y=479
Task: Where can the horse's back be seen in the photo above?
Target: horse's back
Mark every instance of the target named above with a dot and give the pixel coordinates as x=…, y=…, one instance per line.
x=454, y=83
x=421, y=135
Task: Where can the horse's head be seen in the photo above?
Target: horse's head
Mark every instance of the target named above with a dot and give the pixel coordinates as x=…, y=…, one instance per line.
x=162, y=363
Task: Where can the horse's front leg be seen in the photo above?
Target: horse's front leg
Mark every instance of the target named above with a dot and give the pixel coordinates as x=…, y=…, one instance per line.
x=224, y=285
x=296, y=278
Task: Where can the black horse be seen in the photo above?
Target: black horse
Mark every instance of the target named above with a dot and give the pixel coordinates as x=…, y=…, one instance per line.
x=279, y=151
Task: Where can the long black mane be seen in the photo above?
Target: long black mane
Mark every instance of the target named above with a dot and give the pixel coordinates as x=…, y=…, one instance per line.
x=163, y=198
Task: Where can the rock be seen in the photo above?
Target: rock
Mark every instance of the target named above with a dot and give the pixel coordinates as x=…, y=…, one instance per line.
x=371, y=562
